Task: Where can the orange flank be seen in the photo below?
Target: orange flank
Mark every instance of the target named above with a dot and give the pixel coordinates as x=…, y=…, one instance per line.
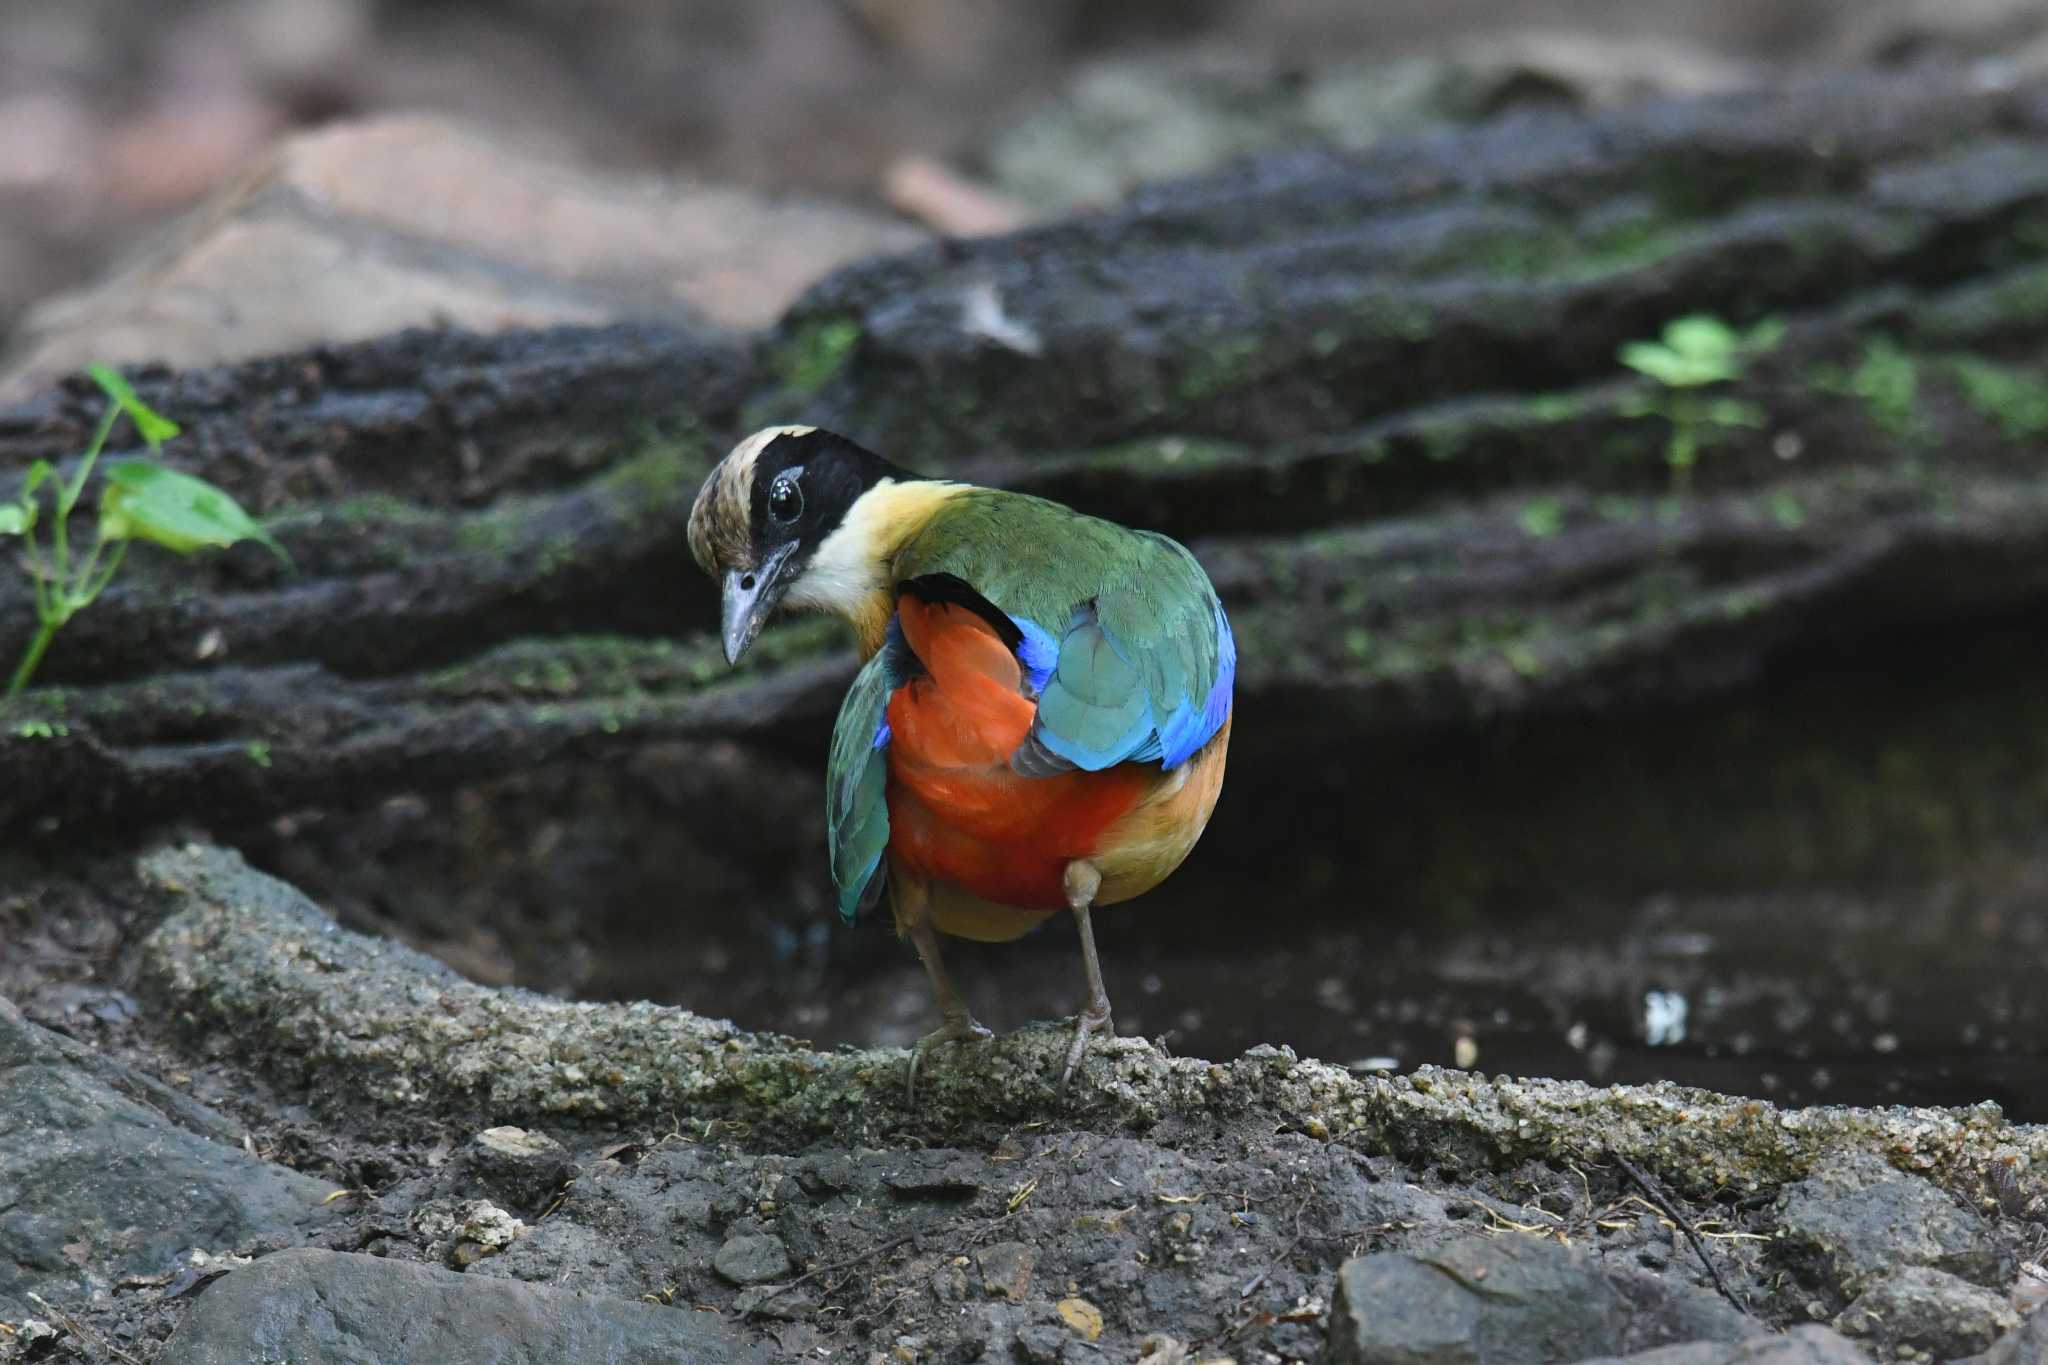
x=957, y=814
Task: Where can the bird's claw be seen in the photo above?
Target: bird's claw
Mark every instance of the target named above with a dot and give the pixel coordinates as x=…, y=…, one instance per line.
x=962, y=1030
x=1087, y=1024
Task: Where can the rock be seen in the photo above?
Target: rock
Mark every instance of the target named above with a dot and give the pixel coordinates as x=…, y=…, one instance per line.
x=315, y=1306
x=1928, y=1310
x=936, y=1173
x=467, y=1234
x=753, y=1259
x=1805, y=1345
x=104, y=1175
x=415, y=221
x=1006, y=1269
x=2024, y=1347
x=769, y=1301
x=1856, y=1217
x=521, y=1167
x=1509, y=1301
x=34, y=1333
x=1041, y=1343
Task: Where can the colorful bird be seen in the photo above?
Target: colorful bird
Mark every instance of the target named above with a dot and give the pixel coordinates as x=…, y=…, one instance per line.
x=1041, y=720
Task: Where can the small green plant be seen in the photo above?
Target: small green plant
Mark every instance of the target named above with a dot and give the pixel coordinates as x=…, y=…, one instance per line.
x=1542, y=517
x=1695, y=353
x=139, y=500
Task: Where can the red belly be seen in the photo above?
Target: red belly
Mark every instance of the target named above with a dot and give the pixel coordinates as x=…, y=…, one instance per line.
x=956, y=812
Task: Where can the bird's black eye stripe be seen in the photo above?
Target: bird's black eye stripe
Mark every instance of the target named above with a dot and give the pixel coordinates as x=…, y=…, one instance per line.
x=785, y=497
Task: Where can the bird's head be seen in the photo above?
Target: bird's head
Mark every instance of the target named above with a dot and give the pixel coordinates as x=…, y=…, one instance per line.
x=775, y=521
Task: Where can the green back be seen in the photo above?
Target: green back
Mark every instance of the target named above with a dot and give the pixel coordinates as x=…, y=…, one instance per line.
x=1125, y=645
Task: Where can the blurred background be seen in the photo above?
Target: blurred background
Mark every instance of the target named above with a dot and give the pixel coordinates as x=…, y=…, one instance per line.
x=117, y=113
x=1752, y=893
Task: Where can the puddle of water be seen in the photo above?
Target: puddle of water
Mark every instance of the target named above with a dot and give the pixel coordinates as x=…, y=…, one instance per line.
x=1832, y=892
x=1910, y=1000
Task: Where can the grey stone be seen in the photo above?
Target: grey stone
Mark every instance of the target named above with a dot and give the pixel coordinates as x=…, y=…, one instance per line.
x=1805, y=1345
x=753, y=1259
x=1509, y=1301
x=322, y=1307
x=1929, y=1310
x=1856, y=1217
x=772, y=1301
x=2027, y=1346
x=33, y=1333
x=938, y=1173
x=1040, y=1343
x=105, y=1174
x=522, y=1168
x=1006, y=1269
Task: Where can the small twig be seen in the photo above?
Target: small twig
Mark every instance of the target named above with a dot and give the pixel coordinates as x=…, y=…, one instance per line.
x=1230, y=1328
x=1300, y=1235
x=879, y=1249
x=1684, y=1225
x=84, y=1334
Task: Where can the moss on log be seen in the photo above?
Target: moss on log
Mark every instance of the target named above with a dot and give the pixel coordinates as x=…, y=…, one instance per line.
x=1305, y=294
x=359, y=1026
x=1378, y=394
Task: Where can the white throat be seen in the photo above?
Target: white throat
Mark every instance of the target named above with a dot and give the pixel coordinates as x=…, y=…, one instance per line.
x=852, y=564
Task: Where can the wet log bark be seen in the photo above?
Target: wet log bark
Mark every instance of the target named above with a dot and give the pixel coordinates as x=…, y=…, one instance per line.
x=362, y=1028
x=1377, y=393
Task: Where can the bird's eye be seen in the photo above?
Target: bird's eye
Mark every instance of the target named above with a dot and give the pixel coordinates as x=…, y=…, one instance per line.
x=785, y=499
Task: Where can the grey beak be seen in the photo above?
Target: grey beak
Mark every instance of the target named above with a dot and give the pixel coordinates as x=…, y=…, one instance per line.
x=750, y=598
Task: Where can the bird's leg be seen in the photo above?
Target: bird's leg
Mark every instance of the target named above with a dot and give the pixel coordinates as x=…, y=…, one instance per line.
x=913, y=901
x=1082, y=882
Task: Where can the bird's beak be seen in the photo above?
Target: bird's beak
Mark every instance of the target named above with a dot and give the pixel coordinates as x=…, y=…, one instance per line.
x=750, y=598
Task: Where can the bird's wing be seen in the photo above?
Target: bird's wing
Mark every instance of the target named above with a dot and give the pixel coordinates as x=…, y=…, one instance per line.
x=1119, y=631
x=1141, y=672
x=856, y=786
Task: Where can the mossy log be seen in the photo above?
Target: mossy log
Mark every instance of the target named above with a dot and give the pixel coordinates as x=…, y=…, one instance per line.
x=361, y=1027
x=1305, y=295
x=1378, y=393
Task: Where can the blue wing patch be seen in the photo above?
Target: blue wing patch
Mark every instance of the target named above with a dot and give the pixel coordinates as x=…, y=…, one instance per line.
x=1104, y=703
x=1037, y=651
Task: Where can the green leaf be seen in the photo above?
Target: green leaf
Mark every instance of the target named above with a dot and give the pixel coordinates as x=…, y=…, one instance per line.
x=1542, y=517
x=149, y=502
x=1702, y=337
x=39, y=473
x=1700, y=349
x=154, y=426
x=1676, y=369
x=14, y=519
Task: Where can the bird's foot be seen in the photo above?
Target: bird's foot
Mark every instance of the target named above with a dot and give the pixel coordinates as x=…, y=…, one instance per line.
x=961, y=1030
x=1087, y=1024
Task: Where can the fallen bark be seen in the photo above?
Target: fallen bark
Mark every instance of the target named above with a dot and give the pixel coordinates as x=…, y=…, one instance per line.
x=360, y=1026
x=1374, y=631
x=1303, y=294
x=239, y=742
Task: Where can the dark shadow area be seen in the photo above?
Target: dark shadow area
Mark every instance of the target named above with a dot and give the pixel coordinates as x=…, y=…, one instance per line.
x=1757, y=896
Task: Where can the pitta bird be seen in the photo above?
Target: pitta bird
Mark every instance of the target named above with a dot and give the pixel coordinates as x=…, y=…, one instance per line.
x=1042, y=716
